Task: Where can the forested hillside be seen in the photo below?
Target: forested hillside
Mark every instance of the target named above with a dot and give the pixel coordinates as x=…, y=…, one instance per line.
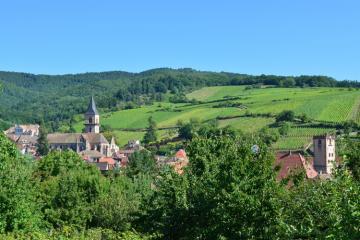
x=55, y=99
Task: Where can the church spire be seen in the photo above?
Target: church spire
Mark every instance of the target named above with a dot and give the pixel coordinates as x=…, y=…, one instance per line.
x=92, y=107
x=92, y=118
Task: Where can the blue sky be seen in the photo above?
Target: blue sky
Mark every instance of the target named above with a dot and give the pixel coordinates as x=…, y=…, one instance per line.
x=255, y=36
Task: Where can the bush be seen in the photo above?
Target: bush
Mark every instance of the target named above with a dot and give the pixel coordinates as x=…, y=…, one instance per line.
x=285, y=116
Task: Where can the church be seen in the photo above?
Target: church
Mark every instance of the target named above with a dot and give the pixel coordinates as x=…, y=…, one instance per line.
x=90, y=143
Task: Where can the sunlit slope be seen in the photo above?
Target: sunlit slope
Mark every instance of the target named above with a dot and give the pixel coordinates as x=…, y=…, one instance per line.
x=321, y=104
x=326, y=104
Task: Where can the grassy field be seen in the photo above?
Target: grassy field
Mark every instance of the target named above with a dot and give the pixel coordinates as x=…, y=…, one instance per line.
x=327, y=104
x=247, y=124
x=322, y=104
x=124, y=136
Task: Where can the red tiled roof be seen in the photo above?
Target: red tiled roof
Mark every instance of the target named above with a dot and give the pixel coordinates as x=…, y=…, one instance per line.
x=290, y=161
x=107, y=160
x=181, y=154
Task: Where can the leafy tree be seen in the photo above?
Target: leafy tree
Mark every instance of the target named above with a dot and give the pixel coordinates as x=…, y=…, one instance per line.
x=160, y=87
x=286, y=115
x=284, y=128
x=18, y=206
x=118, y=206
x=288, y=82
x=168, y=205
x=228, y=192
x=42, y=145
x=69, y=188
x=150, y=135
x=304, y=118
x=349, y=126
x=188, y=130
x=269, y=135
x=352, y=157
x=142, y=162
x=322, y=209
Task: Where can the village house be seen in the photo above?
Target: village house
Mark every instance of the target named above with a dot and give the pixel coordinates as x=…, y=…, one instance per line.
x=25, y=137
x=178, y=161
x=320, y=165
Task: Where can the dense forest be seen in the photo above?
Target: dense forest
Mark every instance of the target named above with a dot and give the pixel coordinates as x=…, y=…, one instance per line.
x=55, y=99
x=228, y=191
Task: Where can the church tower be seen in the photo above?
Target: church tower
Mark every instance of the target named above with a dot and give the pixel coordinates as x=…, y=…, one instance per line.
x=324, y=153
x=92, y=118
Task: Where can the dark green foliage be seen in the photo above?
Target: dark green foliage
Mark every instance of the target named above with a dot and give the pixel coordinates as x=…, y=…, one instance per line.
x=269, y=135
x=150, y=135
x=188, y=130
x=4, y=125
x=69, y=188
x=287, y=82
x=285, y=116
x=352, y=157
x=304, y=118
x=142, y=162
x=179, y=98
x=350, y=126
x=326, y=209
x=19, y=210
x=230, y=104
x=42, y=145
x=119, y=204
x=284, y=128
x=228, y=192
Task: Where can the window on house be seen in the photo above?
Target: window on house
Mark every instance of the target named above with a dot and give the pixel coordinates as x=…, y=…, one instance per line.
x=90, y=120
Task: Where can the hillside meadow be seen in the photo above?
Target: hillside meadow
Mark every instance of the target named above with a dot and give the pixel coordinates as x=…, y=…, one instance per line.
x=334, y=105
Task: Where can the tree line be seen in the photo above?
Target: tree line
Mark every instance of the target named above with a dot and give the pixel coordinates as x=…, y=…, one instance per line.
x=228, y=191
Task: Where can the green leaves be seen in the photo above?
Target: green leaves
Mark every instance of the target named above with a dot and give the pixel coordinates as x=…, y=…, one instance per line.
x=228, y=191
x=69, y=187
x=18, y=208
x=150, y=135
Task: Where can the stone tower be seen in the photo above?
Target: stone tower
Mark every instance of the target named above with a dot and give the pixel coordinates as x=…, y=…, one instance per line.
x=92, y=118
x=324, y=153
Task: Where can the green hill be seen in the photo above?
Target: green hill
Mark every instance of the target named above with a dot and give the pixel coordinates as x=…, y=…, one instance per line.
x=255, y=109
x=55, y=99
x=126, y=100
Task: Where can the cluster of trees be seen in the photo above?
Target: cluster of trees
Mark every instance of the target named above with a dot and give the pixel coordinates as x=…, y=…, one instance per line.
x=228, y=191
x=55, y=99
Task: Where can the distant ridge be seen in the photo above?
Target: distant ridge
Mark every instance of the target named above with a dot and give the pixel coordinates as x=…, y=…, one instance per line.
x=27, y=97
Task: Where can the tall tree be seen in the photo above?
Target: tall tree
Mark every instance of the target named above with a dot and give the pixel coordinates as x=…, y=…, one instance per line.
x=228, y=192
x=150, y=135
x=42, y=145
x=19, y=210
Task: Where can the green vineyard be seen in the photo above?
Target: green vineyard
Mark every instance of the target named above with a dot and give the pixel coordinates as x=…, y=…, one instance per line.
x=333, y=105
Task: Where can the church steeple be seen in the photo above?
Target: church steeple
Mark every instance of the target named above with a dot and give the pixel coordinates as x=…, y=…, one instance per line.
x=92, y=118
x=92, y=107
